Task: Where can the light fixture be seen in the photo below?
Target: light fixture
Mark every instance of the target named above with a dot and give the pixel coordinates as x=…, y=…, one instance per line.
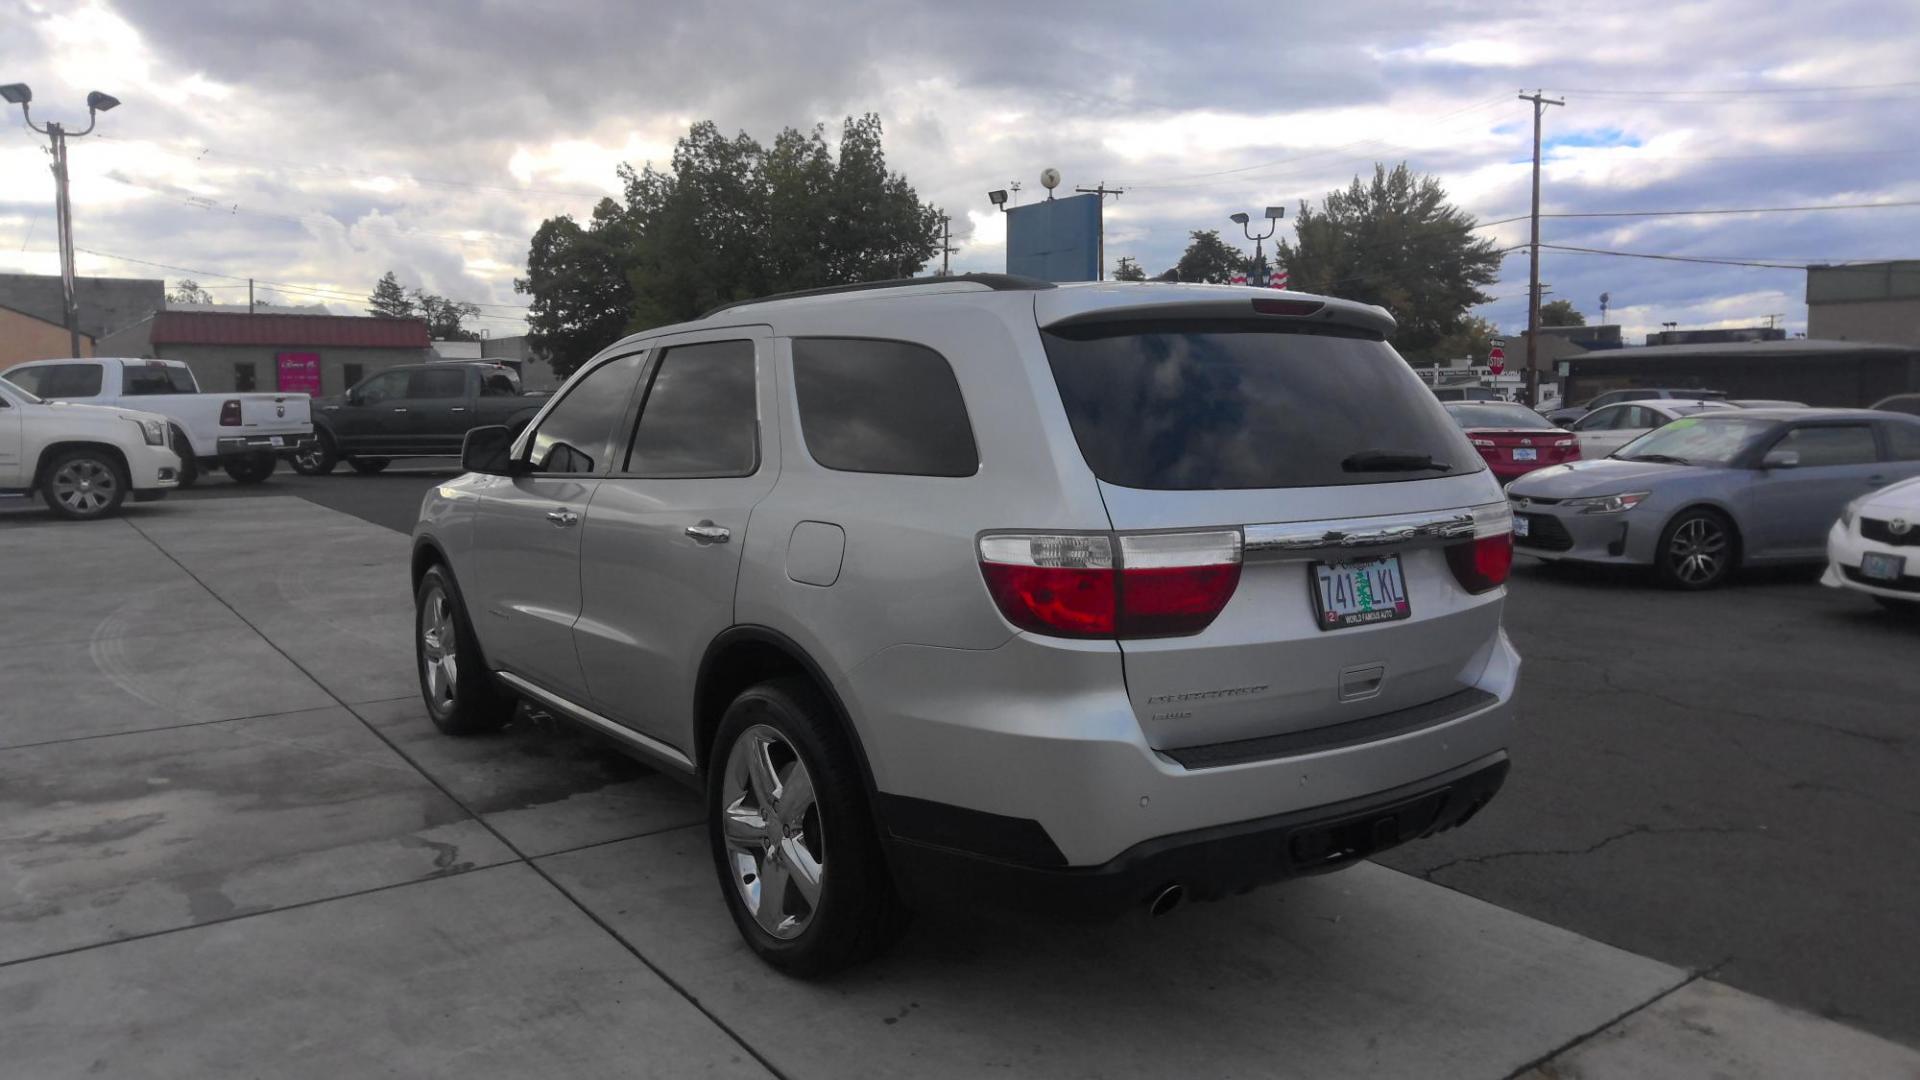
x=1238, y=219
x=99, y=102
x=997, y=197
x=1275, y=213
x=17, y=93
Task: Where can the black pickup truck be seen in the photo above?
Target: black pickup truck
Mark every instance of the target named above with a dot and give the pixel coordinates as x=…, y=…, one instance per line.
x=415, y=410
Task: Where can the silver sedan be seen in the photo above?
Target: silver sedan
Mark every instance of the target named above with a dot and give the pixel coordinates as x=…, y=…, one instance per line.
x=1707, y=494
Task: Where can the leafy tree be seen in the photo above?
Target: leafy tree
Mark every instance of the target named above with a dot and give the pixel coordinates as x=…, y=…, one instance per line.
x=578, y=279
x=1209, y=259
x=188, y=291
x=389, y=300
x=1473, y=339
x=1128, y=270
x=444, y=317
x=1398, y=243
x=1560, y=313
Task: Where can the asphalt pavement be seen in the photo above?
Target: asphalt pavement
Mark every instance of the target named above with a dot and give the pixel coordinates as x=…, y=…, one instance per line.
x=1724, y=782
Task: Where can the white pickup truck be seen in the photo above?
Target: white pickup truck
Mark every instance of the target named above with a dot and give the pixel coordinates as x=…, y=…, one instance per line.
x=245, y=434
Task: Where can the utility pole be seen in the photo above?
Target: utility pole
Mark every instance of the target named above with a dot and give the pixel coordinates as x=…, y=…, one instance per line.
x=249, y=296
x=1533, y=262
x=1101, y=189
x=22, y=95
x=946, y=245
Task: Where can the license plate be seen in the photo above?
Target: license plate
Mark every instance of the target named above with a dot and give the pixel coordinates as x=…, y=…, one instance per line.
x=278, y=441
x=1521, y=527
x=1882, y=567
x=1526, y=453
x=1359, y=592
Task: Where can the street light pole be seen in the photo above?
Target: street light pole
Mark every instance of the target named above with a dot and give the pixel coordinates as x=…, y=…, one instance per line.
x=22, y=95
x=1274, y=214
x=1540, y=104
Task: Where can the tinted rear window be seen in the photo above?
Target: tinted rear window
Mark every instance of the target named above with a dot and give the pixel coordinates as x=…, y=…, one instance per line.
x=1496, y=416
x=1213, y=405
x=882, y=407
x=144, y=379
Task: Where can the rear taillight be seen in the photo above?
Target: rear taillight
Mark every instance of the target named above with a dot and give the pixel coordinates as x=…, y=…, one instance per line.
x=230, y=413
x=1483, y=562
x=1488, y=443
x=1154, y=585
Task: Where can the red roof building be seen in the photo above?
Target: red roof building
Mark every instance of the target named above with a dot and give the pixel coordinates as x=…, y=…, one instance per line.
x=236, y=350
x=321, y=331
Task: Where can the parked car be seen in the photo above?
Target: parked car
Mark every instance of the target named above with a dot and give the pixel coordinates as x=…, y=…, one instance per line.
x=867, y=564
x=1611, y=427
x=242, y=433
x=413, y=410
x=1513, y=439
x=1709, y=493
x=1874, y=547
x=1566, y=415
x=83, y=460
x=1468, y=393
x=1900, y=403
x=1764, y=403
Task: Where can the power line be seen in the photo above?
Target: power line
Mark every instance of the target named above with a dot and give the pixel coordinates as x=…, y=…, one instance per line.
x=1739, y=91
x=1771, y=265
x=1734, y=210
x=329, y=294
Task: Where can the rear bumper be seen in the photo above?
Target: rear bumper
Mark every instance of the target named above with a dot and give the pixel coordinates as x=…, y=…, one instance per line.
x=1207, y=863
x=228, y=445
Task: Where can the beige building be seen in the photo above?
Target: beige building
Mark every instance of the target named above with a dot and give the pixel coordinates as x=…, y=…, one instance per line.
x=1877, y=302
x=26, y=337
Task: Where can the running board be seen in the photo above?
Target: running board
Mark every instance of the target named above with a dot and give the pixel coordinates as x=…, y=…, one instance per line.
x=645, y=744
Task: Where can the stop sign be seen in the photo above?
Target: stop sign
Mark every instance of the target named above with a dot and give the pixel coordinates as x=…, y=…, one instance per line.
x=1497, y=358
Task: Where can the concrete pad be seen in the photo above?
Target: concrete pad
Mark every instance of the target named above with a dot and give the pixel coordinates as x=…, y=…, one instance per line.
x=108, y=838
x=1709, y=1029
x=42, y=611
x=545, y=786
x=64, y=690
x=1367, y=973
x=486, y=974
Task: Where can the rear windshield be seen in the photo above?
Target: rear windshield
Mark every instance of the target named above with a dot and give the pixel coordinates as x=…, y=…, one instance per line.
x=145, y=379
x=1496, y=416
x=1193, y=405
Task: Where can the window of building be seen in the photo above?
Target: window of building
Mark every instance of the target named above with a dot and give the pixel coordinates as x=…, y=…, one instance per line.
x=438, y=382
x=353, y=373
x=577, y=437
x=243, y=375
x=700, y=416
x=882, y=407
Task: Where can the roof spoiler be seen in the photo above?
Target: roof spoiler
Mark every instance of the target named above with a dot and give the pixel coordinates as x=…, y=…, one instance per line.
x=1136, y=303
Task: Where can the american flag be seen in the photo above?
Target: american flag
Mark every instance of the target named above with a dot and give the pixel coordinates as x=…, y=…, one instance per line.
x=1278, y=280
x=1239, y=277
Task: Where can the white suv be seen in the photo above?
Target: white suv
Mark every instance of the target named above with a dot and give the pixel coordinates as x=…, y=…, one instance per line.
x=1086, y=597
x=84, y=460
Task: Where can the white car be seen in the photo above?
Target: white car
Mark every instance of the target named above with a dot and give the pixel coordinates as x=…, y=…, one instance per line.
x=1611, y=427
x=84, y=460
x=1875, y=546
x=242, y=433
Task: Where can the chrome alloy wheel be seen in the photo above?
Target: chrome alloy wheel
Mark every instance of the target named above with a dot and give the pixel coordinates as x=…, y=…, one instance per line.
x=84, y=486
x=771, y=822
x=439, y=652
x=1698, y=551
x=308, y=456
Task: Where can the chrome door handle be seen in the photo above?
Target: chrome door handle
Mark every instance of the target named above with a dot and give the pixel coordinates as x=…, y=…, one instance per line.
x=708, y=533
x=562, y=518
x=398, y=408
x=458, y=408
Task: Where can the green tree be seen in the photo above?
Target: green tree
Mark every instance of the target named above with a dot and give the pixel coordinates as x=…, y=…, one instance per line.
x=1128, y=270
x=1209, y=259
x=1560, y=313
x=188, y=291
x=389, y=300
x=577, y=277
x=445, y=318
x=1473, y=339
x=1398, y=243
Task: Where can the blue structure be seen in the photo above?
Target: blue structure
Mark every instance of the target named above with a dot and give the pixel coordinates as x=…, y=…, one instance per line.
x=1055, y=239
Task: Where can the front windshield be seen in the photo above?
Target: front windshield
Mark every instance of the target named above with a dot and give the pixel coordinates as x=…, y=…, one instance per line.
x=1697, y=440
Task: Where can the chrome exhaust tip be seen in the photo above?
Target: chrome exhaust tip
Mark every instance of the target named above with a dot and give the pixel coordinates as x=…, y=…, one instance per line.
x=1166, y=900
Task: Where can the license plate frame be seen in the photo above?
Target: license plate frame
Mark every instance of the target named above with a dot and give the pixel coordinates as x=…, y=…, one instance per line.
x=1356, y=587
x=1522, y=527
x=279, y=441
x=1878, y=566
x=1526, y=453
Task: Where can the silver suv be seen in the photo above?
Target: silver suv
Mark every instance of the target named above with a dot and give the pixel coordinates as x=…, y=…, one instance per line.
x=1087, y=598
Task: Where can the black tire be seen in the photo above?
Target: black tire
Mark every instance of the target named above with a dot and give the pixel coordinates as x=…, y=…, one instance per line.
x=1698, y=549
x=249, y=468
x=368, y=466
x=316, y=458
x=858, y=913
x=465, y=700
x=189, y=466
x=83, y=484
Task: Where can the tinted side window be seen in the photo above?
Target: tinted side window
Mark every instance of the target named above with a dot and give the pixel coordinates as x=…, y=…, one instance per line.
x=1599, y=420
x=700, y=418
x=62, y=381
x=882, y=407
x=1903, y=441
x=436, y=382
x=1851, y=444
x=383, y=387
x=1606, y=399
x=577, y=437
x=28, y=379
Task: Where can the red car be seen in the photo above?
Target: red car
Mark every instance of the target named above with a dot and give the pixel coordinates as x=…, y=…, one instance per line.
x=1514, y=439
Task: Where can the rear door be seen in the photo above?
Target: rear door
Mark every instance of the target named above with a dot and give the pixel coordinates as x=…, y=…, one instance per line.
x=1795, y=507
x=424, y=422
x=663, y=536
x=1347, y=481
x=527, y=528
x=1608, y=429
x=12, y=438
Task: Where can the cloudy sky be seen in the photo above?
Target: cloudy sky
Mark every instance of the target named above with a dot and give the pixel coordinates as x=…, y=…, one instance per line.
x=318, y=145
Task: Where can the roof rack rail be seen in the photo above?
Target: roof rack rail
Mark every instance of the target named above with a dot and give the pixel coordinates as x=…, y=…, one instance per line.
x=996, y=282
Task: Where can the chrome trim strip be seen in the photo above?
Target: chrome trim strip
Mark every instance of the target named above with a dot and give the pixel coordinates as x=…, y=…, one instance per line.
x=646, y=744
x=1292, y=538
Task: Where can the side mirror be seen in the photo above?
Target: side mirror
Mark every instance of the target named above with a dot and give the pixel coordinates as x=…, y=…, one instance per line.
x=489, y=450
x=1781, y=459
